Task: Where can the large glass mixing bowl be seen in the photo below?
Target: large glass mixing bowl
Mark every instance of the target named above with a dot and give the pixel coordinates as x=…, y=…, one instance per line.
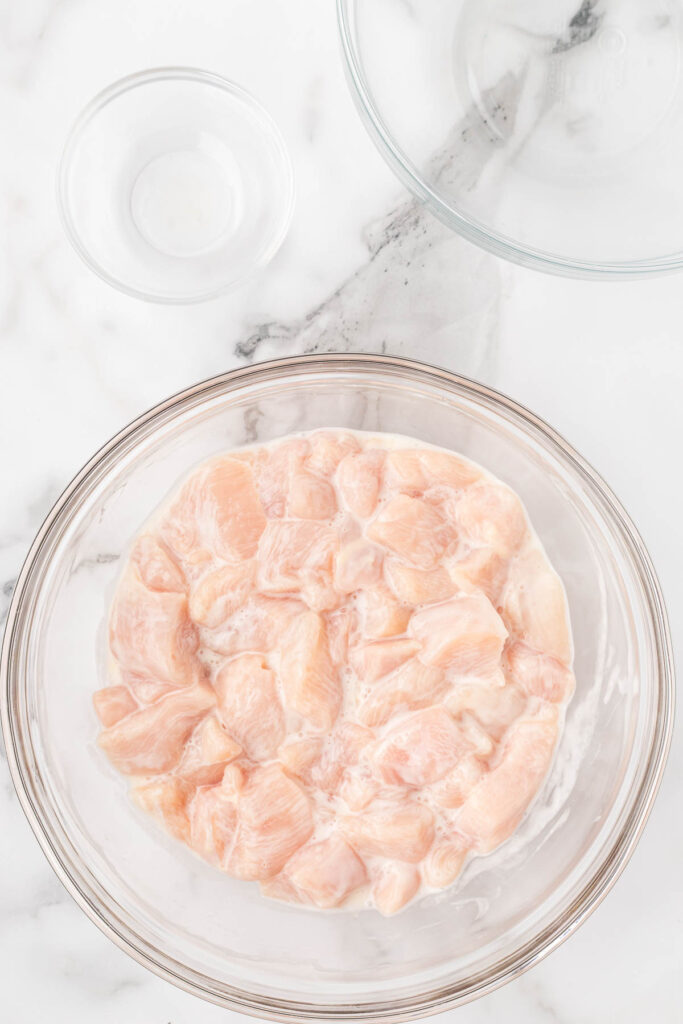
x=549, y=132
x=216, y=936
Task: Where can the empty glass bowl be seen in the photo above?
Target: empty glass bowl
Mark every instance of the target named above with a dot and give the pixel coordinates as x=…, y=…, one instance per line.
x=175, y=185
x=549, y=132
x=216, y=936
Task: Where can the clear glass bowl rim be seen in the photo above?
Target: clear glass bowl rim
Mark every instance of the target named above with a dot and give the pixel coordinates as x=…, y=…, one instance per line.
x=119, y=88
x=469, y=228
x=425, y=1003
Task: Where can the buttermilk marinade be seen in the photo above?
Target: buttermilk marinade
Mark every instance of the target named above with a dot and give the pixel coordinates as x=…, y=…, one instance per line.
x=339, y=667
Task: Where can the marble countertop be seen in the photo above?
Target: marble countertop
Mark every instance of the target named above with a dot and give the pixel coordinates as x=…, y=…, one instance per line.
x=602, y=362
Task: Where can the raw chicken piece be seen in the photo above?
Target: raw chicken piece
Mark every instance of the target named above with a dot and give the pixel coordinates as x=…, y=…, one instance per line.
x=328, y=448
x=220, y=593
x=420, y=749
x=465, y=635
x=229, y=513
x=443, y=863
x=152, y=636
x=274, y=820
x=325, y=873
x=454, y=788
x=259, y=625
x=213, y=823
x=151, y=741
x=113, y=703
x=298, y=757
x=156, y=567
x=538, y=674
x=495, y=707
x=417, y=586
x=372, y=661
x=341, y=750
x=495, y=807
x=492, y=516
x=166, y=800
x=273, y=476
x=311, y=497
x=480, y=569
x=358, y=792
x=535, y=607
x=208, y=753
x=341, y=628
x=357, y=565
x=309, y=680
x=383, y=616
x=294, y=553
x=249, y=707
x=414, y=530
x=412, y=687
x=413, y=470
x=394, y=886
x=403, y=831
x=359, y=480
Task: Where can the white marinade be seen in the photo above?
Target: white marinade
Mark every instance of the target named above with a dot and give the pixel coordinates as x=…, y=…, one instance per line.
x=339, y=666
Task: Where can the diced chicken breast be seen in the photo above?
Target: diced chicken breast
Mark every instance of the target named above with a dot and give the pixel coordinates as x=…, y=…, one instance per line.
x=535, y=607
x=412, y=529
x=421, y=749
x=479, y=569
x=382, y=614
x=213, y=823
x=274, y=820
x=113, y=703
x=294, y=553
x=494, y=706
x=152, y=635
x=273, y=475
x=230, y=515
x=151, y=741
x=357, y=565
x=412, y=687
x=418, y=586
x=359, y=479
x=299, y=756
x=454, y=788
x=341, y=750
x=443, y=863
x=328, y=448
x=372, y=661
x=404, y=831
x=465, y=635
x=310, y=681
x=249, y=707
x=490, y=515
x=358, y=791
x=412, y=470
x=395, y=885
x=166, y=799
x=158, y=570
x=208, y=753
x=496, y=805
x=220, y=593
x=326, y=873
x=539, y=675
x=311, y=497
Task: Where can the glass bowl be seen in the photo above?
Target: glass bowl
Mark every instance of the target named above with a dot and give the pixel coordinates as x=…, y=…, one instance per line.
x=549, y=132
x=216, y=936
x=175, y=185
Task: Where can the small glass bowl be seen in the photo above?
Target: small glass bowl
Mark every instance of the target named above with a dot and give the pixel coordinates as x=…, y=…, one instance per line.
x=548, y=132
x=216, y=936
x=175, y=185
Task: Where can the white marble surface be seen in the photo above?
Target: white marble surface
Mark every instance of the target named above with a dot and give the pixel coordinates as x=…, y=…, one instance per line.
x=603, y=363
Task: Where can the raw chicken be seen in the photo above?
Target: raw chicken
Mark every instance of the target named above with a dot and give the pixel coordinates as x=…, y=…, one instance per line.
x=338, y=668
